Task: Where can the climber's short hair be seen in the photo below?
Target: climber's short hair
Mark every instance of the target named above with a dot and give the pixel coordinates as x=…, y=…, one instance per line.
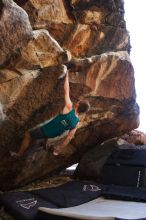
x=83, y=106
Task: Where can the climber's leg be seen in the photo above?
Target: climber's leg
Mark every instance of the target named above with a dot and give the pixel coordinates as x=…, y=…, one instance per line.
x=25, y=143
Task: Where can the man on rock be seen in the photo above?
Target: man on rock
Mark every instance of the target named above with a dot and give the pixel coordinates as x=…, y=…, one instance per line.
x=66, y=122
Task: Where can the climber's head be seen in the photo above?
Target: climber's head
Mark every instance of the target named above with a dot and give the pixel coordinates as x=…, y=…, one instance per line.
x=82, y=106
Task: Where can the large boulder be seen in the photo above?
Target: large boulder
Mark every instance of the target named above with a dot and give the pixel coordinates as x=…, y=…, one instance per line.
x=15, y=30
x=90, y=38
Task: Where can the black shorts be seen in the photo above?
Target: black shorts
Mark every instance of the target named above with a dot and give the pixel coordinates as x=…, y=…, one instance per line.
x=37, y=133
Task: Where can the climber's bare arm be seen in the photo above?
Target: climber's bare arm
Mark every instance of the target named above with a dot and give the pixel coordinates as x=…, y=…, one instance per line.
x=68, y=103
x=70, y=136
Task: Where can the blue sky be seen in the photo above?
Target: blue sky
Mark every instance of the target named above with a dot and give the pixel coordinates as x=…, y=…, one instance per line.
x=135, y=16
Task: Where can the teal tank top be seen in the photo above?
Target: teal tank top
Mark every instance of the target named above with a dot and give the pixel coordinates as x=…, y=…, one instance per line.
x=59, y=124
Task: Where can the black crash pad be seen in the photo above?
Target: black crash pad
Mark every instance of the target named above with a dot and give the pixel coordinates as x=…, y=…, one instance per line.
x=72, y=193
x=24, y=205
x=125, y=193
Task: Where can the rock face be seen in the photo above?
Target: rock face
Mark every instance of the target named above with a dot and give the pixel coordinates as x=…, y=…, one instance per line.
x=12, y=39
x=90, y=37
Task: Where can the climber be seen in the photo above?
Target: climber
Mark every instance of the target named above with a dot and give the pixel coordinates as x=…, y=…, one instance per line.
x=67, y=121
